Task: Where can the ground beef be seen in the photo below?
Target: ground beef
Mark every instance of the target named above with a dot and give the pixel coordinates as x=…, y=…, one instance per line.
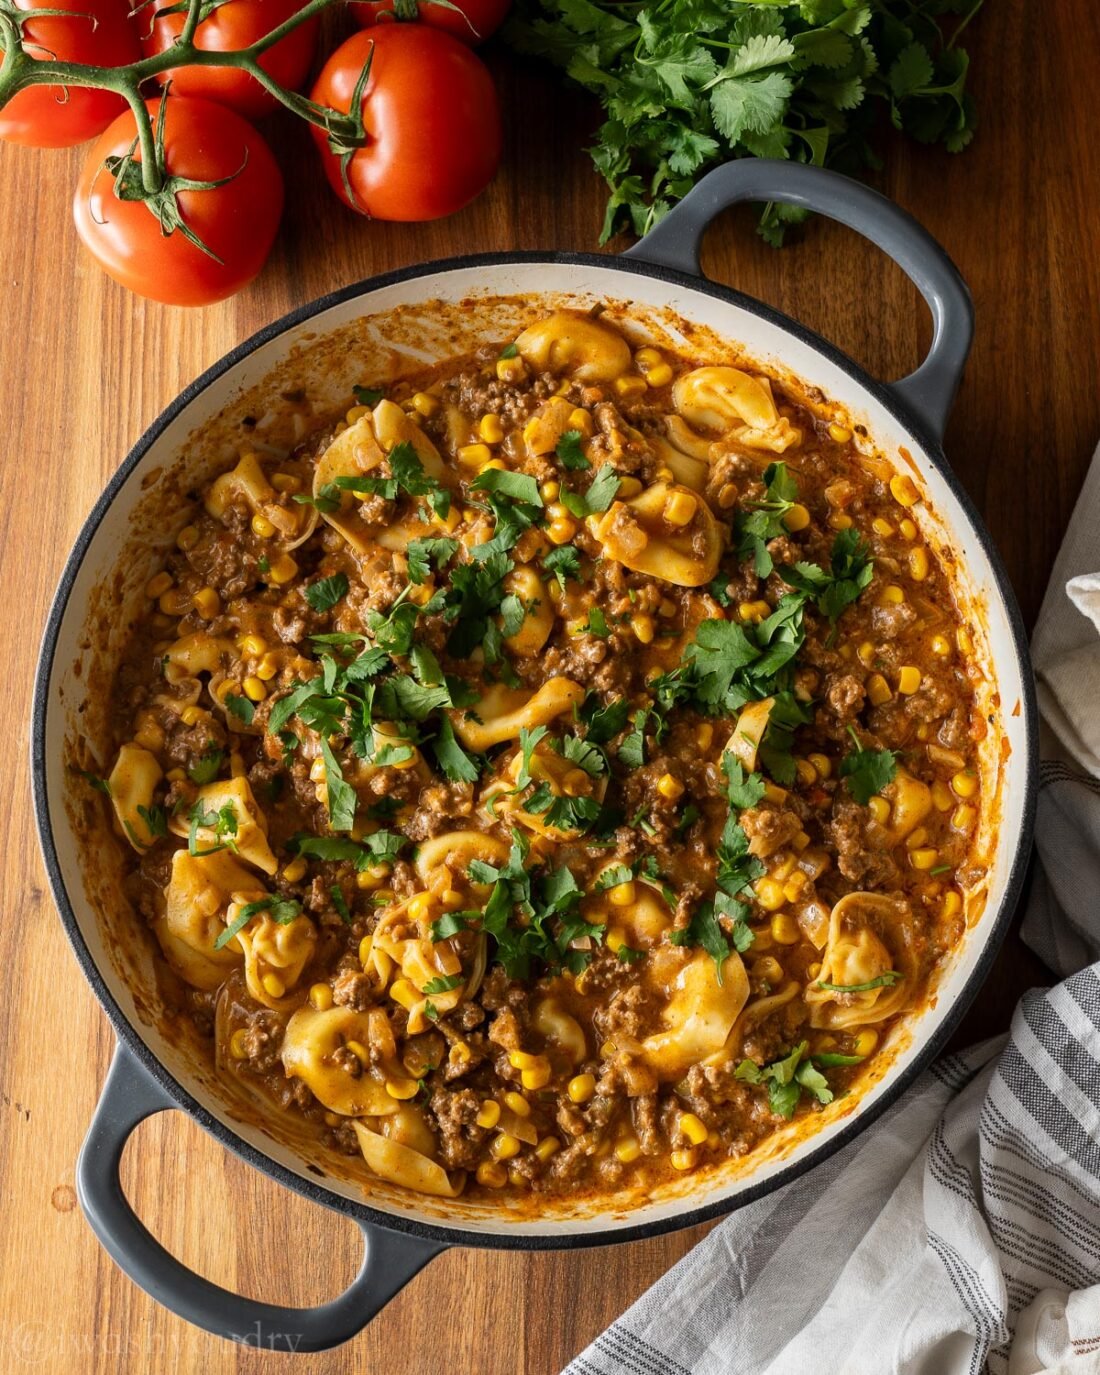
x=291, y=623
x=460, y=1138
x=354, y=990
x=845, y=695
x=861, y=858
x=892, y=620
x=646, y=1124
x=440, y=807
x=262, y=1041
x=504, y=1030
x=769, y=828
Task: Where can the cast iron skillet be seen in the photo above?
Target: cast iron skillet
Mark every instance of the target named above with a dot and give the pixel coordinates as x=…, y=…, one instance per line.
x=138, y=1085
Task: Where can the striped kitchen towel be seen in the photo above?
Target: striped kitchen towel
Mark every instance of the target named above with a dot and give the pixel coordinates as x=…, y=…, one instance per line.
x=961, y=1233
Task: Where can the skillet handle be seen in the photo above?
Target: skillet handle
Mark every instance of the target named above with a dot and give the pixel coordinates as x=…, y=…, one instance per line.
x=129, y=1096
x=926, y=393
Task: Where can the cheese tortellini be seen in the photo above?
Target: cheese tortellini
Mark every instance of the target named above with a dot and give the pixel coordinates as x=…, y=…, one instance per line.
x=229, y=800
x=200, y=892
x=576, y=344
x=866, y=964
x=310, y=1053
x=502, y=712
x=132, y=783
x=736, y=404
x=700, y=1012
x=666, y=531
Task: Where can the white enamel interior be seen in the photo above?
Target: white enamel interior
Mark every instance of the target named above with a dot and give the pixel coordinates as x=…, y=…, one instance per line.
x=771, y=345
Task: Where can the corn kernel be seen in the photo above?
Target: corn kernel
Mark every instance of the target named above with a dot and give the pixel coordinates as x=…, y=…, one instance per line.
x=940, y=645
x=173, y=602
x=670, y=787
x=622, y=895
x=797, y=518
x=768, y=968
x=643, y=628
x=904, y=490
x=295, y=870
x=149, y=737
x=839, y=521
x=505, y=1146
x=727, y=495
x=629, y=487
x=892, y=595
x=839, y=434
x=550, y=491
x=866, y=1042
x=878, y=690
x=207, y=603
x=660, y=376
x=963, y=818
x=273, y=985
x=882, y=527
x=879, y=809
x=952, y=904
x=941, y=796
x=755, y=611
x=320, y=997
x=517, y=1103
x=769, y=894
x=254, y=688
x=807, y=774
x=964, y=783
x=175, y=775
x=561, y=531
x=924, y=858
x=420, y=907
x=908, y=679
x=187, y=538
x=537, y=1078
x=785, y=930
x=401, y=991
x=683, y=1160
x=548, y=1146
x=158, y=584
x=581, y=1088
x=285, y=482
x=865, y=653
x=907, y=528
x=262, y=527
x=282, y=570
x=237, y=767
x=238, y=1044
x=627, y=1150
x=680, y=508
x=425, y=404
x=474, y=455
x=915, y=839
x=615, y=939
x=267, y=668
x=795, y=887
x=822, y=763
x=693, y=1128
x=402, y=1089
x=191, y=716
x=607, y=1049
x=648, y=357
x=490, y=1174
x=629, y=385
x=918, y=563
x=581, y=420
x=488, y=1114
x=510, y=369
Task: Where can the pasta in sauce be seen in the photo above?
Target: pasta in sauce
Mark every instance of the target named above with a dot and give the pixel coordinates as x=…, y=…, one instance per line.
x=558, y=774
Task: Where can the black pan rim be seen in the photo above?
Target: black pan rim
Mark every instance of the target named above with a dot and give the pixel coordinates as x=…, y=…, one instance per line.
x=596, y=1235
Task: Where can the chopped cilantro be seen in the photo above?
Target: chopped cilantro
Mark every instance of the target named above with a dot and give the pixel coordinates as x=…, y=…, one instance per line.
x=342, y=800
x=368, y=396
x=340, y=903
x=423, y=553
x=509, y=351
x=564, y=562
x=786, y=1079
x=444, y=983
x=570, y=453
x=867, y=772
x=241, y=707
x=205, y=769
x=326, y=592
x=885, y=980
x=451, y=757
x=599, y=496
x=281, y=910
x=851, y=570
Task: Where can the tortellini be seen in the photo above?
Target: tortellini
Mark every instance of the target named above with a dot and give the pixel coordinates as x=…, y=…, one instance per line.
x=866, y=945
x=439, y=859
x=399, y=1164
x=577, y=344
x=502, y=799
x=502, y=712
x=246, y=480
x=422, y=961
x=561, y=1031
x=199, y=894
x=736, y=404
x=250, y=837
x=700, y=1012
x=308, y=1052
x=198, y=653
x=132, y=782
x=275, y=954
x=538, y=612
x=666, y=531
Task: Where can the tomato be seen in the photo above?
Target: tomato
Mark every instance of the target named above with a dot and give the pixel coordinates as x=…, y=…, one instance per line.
x=234, y=25
x=236, y=221
x=431, y=118
x=97, y=31
x=471, y=21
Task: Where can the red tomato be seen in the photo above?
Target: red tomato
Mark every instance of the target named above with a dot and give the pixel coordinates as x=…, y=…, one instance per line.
x=234, y=25
x=236, y=221
x=472, y=21
x=99, y=32
x=431, y=118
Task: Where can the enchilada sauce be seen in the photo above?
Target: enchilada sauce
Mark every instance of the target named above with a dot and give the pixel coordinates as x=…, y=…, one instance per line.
x=558, y=774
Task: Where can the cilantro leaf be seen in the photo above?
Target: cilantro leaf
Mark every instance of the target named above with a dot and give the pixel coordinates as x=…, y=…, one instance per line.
x=206, y=768
x=569, y=452
x=281, y=910
x=326, y=592
x=423, y=553
x=342, y=801
x=564, y=562
x=241, y=707
x=705, y=930
x=851, y=571
x=368, y=396
x=443, y=983
x=885, y=980
x=867, y=772
x=451, y=757
x=600, y=494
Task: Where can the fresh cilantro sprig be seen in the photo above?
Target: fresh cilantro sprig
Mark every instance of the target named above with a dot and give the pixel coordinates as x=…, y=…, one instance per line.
x=867, y=772
x=833, y=591
x=691, y=83
x=788, y=1078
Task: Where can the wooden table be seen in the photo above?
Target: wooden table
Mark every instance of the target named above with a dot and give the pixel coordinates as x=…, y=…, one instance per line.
x=86, y=367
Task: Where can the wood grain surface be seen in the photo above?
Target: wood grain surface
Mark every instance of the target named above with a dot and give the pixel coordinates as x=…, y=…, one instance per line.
x=85, y=368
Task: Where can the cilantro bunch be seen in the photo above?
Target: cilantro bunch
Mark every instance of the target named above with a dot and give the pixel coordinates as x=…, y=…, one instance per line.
x=686, y=84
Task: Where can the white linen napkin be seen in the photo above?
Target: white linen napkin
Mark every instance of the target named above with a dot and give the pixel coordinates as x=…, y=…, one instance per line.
x=961, y=1233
